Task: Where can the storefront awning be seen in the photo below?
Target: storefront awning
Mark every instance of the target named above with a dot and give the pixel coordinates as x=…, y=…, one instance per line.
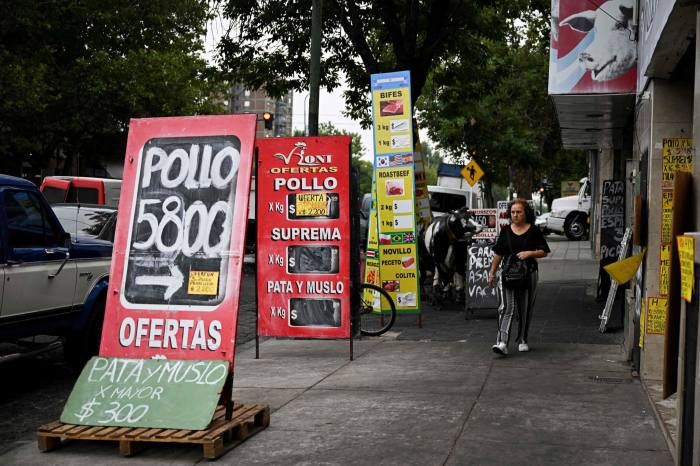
x=593, y=121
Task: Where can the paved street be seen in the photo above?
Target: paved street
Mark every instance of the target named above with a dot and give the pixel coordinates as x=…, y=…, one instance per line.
x=432, y=395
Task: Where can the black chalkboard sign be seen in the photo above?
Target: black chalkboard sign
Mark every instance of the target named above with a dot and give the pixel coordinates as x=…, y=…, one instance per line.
x=479, y=294
x=179, y=241
x=612, y=219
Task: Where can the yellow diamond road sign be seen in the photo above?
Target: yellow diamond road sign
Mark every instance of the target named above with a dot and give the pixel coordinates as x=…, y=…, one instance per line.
x=472, y=172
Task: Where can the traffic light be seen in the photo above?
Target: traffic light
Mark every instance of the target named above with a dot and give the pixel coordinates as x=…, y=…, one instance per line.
x=267, y=118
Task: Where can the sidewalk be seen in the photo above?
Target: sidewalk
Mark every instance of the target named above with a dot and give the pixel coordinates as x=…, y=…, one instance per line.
x=438, y=395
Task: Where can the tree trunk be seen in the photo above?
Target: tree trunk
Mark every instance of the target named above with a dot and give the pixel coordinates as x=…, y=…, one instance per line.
x=489, y=202
x=522, y=182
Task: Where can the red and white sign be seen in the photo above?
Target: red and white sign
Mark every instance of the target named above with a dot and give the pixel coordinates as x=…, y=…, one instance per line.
x=593, y=47
x=179, y=246
x=303, y=221
x=488, y=219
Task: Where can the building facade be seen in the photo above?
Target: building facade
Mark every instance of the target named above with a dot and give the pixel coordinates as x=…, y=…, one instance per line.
x=624, y=79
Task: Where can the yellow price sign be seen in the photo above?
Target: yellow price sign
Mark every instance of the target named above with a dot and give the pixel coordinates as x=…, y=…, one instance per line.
x=472, y=172
x=677, y=156
x=656, y=316
x=312, y=205
x=642, y=321
x=664, y=269
x=203, y=283
x=666, y=215
x=686, y=256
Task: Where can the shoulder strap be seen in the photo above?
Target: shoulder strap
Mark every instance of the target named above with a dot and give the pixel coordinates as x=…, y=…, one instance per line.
x=507, y=233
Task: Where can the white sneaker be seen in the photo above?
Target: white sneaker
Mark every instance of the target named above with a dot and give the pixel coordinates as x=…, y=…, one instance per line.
x=500, y=348
x=523, y=348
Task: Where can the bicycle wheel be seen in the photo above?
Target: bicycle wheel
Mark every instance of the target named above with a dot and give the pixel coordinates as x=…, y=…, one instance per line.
x=377, y=310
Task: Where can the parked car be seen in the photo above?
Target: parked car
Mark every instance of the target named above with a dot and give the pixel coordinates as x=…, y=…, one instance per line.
x=52, y=284
x=81, y=190
x=87, y=220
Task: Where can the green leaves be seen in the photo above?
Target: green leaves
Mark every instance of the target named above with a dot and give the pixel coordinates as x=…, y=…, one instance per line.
x=74, y=73
x=268, y=45
x=489, y=99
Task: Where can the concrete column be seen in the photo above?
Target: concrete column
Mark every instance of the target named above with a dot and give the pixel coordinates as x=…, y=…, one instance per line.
x=671, y=116
x=696, y=197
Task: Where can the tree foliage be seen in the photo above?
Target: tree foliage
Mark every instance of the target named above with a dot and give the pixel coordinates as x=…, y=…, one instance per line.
x=75, y=72
x=431, y=161
x=496, y=108
x=268, y=43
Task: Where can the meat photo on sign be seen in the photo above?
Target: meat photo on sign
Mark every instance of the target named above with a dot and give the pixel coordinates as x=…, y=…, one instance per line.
x=391, y=107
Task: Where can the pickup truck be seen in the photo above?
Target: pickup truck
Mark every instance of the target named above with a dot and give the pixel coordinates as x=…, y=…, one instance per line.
x=81, y=190
x=569, y=214
x=50, y=283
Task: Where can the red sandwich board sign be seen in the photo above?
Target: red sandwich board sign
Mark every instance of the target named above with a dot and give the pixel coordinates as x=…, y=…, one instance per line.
x=303, y=221
x=179, y=247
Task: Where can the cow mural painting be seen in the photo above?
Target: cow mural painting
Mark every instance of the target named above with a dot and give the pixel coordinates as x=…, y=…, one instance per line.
x=593, y=47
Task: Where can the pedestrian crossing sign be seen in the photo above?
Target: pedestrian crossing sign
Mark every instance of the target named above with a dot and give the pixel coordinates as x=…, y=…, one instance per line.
x=472, y=172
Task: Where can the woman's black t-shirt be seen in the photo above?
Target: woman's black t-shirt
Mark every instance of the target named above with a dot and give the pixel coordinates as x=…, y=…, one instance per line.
x=531, y=240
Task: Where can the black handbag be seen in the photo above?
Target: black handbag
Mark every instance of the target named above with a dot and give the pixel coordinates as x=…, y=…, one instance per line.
x=515, y=272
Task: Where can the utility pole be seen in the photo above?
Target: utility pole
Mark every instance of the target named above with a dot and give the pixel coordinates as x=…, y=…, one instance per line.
x=315, y=68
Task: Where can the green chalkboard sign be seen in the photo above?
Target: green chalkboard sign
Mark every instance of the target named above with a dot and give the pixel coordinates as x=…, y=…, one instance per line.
x=159, y=393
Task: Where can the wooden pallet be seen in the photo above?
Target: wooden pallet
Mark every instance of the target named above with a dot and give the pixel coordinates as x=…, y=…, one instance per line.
x=220, y=437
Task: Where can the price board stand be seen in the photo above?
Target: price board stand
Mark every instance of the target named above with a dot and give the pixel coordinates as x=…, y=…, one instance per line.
x=174, y=389
x=257, y=301
x=308, y=240
x=221, y=436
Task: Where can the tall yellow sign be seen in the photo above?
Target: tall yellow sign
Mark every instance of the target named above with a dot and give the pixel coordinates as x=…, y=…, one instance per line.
x=394, y=182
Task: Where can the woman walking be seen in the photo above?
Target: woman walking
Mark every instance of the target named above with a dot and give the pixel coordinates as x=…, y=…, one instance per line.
x=526, y=242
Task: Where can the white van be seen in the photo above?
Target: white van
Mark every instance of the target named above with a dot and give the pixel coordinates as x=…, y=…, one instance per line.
x=570, y=214
x=444, y=199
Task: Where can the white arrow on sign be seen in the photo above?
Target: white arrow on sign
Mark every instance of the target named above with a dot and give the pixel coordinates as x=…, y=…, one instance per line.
x=172, y=283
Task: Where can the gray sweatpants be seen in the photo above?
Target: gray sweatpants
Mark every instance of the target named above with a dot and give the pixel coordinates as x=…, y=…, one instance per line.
x=512, y=301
